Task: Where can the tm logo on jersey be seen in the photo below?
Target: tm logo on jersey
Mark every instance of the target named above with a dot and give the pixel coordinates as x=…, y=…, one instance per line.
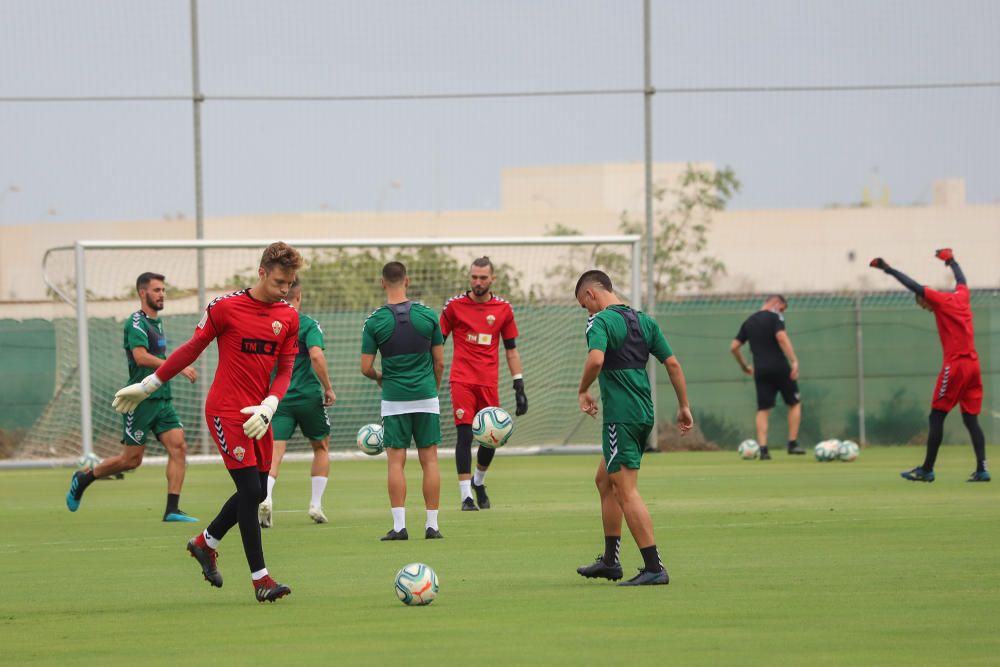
x=258, y=346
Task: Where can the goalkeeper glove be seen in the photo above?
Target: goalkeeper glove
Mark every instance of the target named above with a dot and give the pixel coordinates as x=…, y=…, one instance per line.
x=260, y=419
x=878, y=263
x=129, y=398
x=945, y=255
x=519, y=397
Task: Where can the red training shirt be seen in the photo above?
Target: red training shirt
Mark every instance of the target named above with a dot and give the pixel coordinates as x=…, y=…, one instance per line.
x=477, y=328
x=954, y=321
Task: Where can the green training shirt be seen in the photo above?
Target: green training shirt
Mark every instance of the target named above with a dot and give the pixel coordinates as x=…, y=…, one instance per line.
x=305, y=385
x=408, y=376
x=141, y=331
x=625, y=393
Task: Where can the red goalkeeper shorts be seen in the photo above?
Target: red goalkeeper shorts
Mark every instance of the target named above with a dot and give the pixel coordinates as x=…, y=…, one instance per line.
x=960, y=382
x=238, y=451
x=468, y=399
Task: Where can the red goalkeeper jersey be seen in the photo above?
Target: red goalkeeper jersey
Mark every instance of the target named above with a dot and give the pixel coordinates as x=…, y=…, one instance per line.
x=953, y=313
x=477, y=329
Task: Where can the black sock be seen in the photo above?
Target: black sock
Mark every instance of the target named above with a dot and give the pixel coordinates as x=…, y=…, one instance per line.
x=978, y=439
x=651, y=557
x=763, y=449
x=172, y=501
x=935, y=434
x=612, y=546
x=241, y=507
x=87, y=479
x=484, y=456
x=463, y=449
x=792, y=444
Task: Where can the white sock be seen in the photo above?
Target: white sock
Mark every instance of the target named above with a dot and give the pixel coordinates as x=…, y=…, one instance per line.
x=398, y=518
x=432, y=519
x=259, y=574
x=319, y=487
x=465, y=488
x=479, y=477
x=210, y=541
x=270, y=487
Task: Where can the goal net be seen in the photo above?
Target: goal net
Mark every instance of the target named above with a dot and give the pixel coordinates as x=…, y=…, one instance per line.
x=340, y=284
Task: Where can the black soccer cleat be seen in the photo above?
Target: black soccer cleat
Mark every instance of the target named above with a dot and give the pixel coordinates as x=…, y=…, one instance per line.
x=601, y=570
x=469, y=505
x=433, y=534
x=765, y=455
x=482, y=499
x=269, y=590
x=647, y=578
x=206, y=557
x=395, y=535
x=796, y=450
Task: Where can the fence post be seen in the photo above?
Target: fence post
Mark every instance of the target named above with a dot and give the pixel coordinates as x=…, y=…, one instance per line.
x=859, y=335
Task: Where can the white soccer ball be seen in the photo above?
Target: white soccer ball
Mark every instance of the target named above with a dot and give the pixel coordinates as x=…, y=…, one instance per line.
x=749, y=449
x=828, y=450
x=492, y=427
x=89, y=460
x=370, y=439
x=848, y=451
x=416, y=584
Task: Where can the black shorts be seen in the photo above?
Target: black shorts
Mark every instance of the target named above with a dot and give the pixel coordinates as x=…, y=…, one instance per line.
x=770, y=383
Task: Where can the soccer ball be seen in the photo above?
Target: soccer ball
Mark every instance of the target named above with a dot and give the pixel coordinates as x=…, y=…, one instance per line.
x=492, y=427
x=416, y=584
x=828, y=450
x=370, y=439
x=749, y=449
x=89, y=460
x=848, y=451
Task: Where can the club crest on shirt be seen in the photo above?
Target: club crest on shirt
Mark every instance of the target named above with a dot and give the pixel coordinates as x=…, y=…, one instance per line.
x=138, y=435
x=490, y=319
x=460, y=413
x=276, y=327
x=238, y=453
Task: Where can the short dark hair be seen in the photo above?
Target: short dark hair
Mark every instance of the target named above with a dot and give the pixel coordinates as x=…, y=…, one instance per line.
x=394, y=272
x=594, y=277
x=294, y=288
x=484, y=261
x=142, y=282
x=778, y=297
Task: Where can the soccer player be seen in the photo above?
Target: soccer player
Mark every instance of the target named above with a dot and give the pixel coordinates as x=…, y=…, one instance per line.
x=775, y=369
x=960, y=381
x=479, y=319
x=254, y=329
x=145, y=350
x=408, y=337
x=620, y=341
x=304, y=406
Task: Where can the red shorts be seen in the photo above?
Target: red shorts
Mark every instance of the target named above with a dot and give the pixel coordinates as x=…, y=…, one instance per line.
x=468, y=399
x=238, y=451
x=959, y=382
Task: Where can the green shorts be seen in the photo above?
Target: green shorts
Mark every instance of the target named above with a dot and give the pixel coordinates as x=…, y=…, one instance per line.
x=423, y=428
x=623, y=445
x=152, y=416
x=310, y=416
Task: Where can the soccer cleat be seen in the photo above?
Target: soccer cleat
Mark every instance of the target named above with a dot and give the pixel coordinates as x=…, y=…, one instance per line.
x=268, y=590
x=979, y=476
x=264, y=513
x=796, y=450
x=395, y=535
x=178, y=515
x=75, y=493
x=433, y=534
x=601, y=570
x=206, y=557
x=316, y=514
x=482, y=499
x=469, y=505
x=918, y=474
x=765, y=455
x=647, y=578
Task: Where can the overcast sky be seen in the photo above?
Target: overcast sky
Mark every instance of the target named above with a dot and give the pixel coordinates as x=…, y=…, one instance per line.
x=70, y=161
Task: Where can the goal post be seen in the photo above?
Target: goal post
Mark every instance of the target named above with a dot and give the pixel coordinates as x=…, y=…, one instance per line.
x=340, y=288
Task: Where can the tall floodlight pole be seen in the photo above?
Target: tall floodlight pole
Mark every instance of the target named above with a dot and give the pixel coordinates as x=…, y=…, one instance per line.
x=647, y=102
x=197, y=99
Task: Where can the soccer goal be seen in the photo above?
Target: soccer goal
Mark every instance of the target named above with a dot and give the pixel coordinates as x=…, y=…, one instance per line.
x=340, y=282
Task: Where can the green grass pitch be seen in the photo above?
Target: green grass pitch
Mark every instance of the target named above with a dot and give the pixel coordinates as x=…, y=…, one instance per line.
x=788, y=562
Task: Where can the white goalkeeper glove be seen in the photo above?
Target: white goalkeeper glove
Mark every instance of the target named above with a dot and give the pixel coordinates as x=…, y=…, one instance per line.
x=260, y=419
x=129, y=398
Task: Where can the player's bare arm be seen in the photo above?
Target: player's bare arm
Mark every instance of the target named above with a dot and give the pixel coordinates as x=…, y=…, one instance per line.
x=685, y=420
x=437, y=357
x=514, y=364
x=146, y=360
x=318, y=361
x=368, y=368
x=591, y=369
x=736, y=348
x=785, y=343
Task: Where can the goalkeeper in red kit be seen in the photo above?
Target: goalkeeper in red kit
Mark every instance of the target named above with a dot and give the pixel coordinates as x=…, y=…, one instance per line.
x=477, y=321
x=255, y=329
x=960, y=381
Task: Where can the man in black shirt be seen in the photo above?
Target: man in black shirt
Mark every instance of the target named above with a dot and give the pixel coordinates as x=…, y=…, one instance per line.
x=775, y=368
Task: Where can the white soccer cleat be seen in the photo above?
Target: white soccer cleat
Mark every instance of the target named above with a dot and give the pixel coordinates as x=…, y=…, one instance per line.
x=316, y=514
x=264, y=514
